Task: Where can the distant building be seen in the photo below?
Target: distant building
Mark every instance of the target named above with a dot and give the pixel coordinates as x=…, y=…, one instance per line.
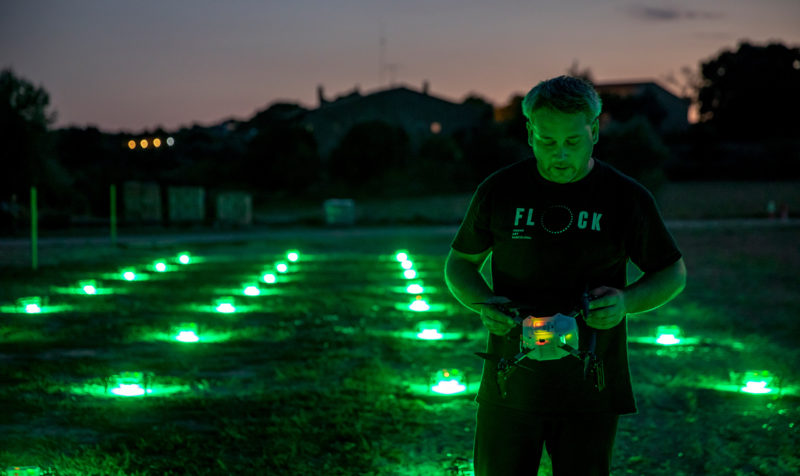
x=419, y=113
x=676, y=108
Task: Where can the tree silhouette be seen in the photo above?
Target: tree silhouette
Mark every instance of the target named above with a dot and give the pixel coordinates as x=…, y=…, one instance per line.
x=625, y=108
x=23, y=118
x=283, y=151
x=576, y=72
x=285, y=158
x=28, y=157
x=753, y=92
x=92, y=159
x=370, y=157
x=636, y=149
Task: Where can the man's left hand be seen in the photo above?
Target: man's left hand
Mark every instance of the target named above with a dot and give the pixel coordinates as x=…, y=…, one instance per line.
x=607, y=309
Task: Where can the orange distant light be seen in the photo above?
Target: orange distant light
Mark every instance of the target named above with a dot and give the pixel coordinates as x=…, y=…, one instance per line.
x=156, y=142
x=131, y=144
x=143, y=143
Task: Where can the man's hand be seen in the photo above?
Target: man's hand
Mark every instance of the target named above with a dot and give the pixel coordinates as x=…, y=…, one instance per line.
x=496, y=321
x=607, y=309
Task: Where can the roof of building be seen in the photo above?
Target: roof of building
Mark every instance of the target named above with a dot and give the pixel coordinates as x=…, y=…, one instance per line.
x=633, y=84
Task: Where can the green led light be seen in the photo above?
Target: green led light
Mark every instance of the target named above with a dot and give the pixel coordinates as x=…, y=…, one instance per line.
x=752, y=382
x=184, y=257
x=412, y=287
x=88, y=286
x=189, y=333
x=293, y=256
x=30, y=305
x=251, y=290
x=407, y=264
x=449, y=387
x=225, y=305
x=409, y=274
x=186, y=332
x=415, y=289
x=160, y=266
x=756, y=387
x=128, y=274
x=430, y=330
x=419, y=305
x=269, y=278
x=23, y=471
x=430, y=334
x=281, y=267
x=128, y=390
x=758, y=382
x=129, y=384
x=34, y=305
x=187, y=336
x=668, y=335
x=401, y=256
x=667, y=339
x=449, y=382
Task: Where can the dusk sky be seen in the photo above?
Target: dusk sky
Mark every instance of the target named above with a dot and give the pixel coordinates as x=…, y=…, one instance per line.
x=134, y=65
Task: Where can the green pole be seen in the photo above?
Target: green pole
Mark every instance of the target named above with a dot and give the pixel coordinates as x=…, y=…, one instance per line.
x=113, y=214
x=34, y=231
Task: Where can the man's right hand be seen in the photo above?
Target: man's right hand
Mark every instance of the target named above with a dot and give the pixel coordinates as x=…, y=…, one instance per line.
x=495, y=320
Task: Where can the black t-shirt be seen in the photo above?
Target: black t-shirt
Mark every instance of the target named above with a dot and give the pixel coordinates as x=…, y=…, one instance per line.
x=551, y=242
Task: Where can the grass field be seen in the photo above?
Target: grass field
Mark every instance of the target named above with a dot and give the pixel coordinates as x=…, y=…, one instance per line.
x=322, y=373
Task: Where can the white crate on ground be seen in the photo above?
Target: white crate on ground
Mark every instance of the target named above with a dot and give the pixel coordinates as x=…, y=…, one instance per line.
x=235, y=208
x=141, y=202
x=340, y=211
x=186, y=204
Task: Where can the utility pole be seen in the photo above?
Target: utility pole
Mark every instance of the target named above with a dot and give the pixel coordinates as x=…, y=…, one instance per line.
x=382, y=56
x=113, y=210
x=34, y=230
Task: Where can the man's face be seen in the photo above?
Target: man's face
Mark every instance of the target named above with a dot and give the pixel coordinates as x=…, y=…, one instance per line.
x=562, y=144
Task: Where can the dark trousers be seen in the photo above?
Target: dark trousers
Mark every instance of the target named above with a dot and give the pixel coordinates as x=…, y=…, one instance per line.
x=509, y=443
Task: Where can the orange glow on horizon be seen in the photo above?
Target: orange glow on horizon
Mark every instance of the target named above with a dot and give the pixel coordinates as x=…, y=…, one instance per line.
x=694, y=113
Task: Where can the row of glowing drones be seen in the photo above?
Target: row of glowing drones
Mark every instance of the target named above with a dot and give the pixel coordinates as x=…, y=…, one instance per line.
x=130, y=384
x=443, y=382
x=90, y=287
x=448, y=381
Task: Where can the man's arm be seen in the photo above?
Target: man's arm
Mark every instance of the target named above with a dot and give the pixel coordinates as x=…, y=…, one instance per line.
x=462, y=273
x=651, y=291
x=463, y=277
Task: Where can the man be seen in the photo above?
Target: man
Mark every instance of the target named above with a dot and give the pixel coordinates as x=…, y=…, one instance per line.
x=556, y=226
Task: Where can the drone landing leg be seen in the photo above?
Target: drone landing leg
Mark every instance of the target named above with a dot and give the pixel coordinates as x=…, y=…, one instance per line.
x=505, y=368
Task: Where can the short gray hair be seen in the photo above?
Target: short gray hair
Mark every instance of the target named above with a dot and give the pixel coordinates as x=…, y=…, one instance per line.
x=565, y=94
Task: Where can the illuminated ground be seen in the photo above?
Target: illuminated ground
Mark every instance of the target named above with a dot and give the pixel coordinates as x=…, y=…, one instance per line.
x=323, y=372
